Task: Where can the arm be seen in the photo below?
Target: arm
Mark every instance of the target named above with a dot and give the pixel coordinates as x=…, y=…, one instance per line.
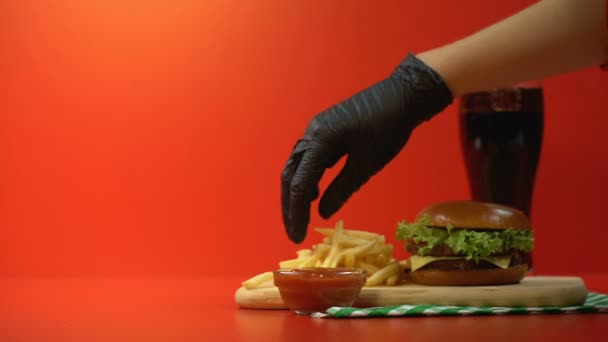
x=372, y=126
x=548, y=38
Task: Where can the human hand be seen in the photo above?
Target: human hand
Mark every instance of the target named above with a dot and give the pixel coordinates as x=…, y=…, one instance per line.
x=370, y=127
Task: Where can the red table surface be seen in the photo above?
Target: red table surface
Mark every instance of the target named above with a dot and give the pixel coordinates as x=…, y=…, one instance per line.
x=203, y=309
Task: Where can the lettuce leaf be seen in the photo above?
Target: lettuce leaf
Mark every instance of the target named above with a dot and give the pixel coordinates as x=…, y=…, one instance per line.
x=472, y=244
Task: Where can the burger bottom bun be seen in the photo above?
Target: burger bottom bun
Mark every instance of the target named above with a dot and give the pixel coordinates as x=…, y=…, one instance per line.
x=491, y=276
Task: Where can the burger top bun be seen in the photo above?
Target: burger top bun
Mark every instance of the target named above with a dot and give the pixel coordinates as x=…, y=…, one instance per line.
x=475, y=215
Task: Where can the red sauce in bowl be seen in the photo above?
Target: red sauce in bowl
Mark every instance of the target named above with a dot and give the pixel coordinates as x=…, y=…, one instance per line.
x=315, y=289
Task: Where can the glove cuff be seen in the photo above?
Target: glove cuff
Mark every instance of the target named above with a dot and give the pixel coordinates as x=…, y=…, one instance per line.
x=425, y=91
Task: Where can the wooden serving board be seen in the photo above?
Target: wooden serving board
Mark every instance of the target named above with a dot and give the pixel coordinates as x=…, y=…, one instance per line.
x=533, y=291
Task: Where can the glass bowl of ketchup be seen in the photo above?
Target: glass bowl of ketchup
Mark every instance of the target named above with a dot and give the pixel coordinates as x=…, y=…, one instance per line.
x=315, y=289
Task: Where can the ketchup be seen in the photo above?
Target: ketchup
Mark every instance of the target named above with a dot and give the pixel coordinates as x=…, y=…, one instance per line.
x=315, y=289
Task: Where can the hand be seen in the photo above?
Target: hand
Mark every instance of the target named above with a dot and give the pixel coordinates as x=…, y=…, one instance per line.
x=371, y=128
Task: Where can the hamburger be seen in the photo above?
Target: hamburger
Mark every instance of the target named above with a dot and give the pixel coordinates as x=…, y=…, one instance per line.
x=466, y=243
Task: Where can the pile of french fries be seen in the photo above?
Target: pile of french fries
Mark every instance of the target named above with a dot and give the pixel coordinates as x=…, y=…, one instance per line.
x=344, y=248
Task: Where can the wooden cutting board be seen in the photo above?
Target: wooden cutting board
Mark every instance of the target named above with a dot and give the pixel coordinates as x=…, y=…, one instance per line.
x=533, y=291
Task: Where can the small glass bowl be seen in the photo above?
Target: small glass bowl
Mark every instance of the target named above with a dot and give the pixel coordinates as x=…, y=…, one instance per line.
x=315, y=289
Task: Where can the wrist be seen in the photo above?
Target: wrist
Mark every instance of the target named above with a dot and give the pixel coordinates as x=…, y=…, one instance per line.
x=436, y=60
x=426, y=91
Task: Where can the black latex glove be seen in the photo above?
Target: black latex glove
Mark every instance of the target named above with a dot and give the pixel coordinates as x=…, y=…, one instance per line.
x=371, y=127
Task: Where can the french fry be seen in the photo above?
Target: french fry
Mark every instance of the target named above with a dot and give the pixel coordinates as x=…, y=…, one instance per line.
x=334, y=246
x=311, y=261
x=354, y=233
x=392, y=280
x=369, y=268
x=382, y=248
x=349, y=241
x=290, y=263
x=355, y=251
x=381, y=259
x=382, y=274
x=302, y=253
x=267, y=283
x=349, y=260
x=370, y=259
x=258, y=280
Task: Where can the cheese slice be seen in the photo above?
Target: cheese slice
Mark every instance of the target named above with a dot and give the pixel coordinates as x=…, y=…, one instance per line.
x=421, y=261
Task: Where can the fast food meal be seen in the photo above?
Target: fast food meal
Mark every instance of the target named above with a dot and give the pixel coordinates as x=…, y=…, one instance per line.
x=344, y=248
x=460, y=243
x=467, y=243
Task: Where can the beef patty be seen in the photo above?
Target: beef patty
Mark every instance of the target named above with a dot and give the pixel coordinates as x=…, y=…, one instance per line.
x=518, y=257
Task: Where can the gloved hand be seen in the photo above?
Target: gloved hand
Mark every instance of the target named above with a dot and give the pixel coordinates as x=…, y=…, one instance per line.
x=371, y=127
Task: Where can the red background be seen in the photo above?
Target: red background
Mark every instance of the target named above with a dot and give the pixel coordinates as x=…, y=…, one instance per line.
x=148, y=137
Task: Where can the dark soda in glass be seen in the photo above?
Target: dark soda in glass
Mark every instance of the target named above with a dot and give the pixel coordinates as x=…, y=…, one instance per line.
x=501, y=137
